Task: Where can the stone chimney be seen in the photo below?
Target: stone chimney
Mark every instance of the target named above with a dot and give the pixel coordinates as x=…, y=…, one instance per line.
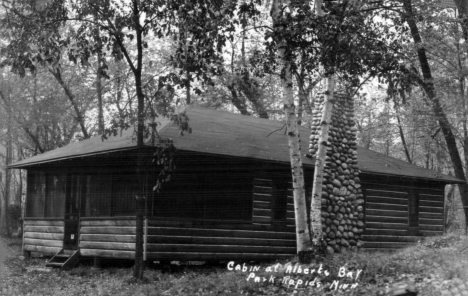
x=342, y=199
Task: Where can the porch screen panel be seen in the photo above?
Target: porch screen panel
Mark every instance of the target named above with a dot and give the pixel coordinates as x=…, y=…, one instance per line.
x=55, y=198
x=124, y=188
x=35, y=194
x=98, y=192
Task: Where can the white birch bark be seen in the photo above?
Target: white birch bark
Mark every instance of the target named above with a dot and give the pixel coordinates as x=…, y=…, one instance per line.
x=316, y=202
x=300, y=210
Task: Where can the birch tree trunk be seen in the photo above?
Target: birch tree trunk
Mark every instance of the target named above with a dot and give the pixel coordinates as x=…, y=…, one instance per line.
x=316, y=203
x=300, y=209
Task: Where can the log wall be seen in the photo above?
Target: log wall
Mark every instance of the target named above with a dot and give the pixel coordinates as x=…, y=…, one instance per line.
x=387, y=215
x=431, y=212
x=262, y=201
x=44, y=236
x=263, y=196
x=290, y=213
x=174, y=240
x=108, y=238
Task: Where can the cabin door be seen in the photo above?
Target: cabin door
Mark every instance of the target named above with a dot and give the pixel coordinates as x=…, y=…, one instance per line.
x=72, y=211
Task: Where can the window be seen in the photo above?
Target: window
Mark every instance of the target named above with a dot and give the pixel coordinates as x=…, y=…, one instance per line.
x=35, y=194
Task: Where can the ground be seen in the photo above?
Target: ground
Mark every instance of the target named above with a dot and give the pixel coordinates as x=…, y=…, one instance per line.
x=437, y=266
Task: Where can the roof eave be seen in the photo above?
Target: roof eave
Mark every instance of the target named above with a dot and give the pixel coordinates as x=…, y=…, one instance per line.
x=452, y=180
x=444, y=179
x=29, y=164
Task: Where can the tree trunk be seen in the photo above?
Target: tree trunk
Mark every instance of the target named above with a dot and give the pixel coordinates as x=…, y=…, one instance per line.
x=188, y=99
x=253, y=94
x=5, y=223
x=138, y=270
x=402, y=136
x=316, y=206
x=300, y=209
x=21, y=196
x=71, y=97
x=238, y=102
x=99, y=96
x=302, y=94
x=429, y=88
x=99, y=82
x=250, y=91
x=449, y=207
x=3, y=209
x=305, y=94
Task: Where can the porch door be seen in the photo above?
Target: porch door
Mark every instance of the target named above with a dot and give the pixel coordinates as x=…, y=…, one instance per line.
x=72, y=210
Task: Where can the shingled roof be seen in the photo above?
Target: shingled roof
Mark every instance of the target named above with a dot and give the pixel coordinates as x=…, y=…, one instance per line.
x=224, y=133
x=447, y=4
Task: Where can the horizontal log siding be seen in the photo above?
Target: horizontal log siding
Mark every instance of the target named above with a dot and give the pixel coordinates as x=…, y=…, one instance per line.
x=173, y=240
x=108, y=238
x=387, y=220
x=431, y=212
x=262, y=201
x=290, y=214
x=44, y=236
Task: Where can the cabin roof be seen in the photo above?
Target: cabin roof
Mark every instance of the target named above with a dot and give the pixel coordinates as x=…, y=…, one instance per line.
x=225, y=133
x=447, y=4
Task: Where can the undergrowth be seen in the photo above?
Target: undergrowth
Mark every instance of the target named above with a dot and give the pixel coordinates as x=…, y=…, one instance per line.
x=430, y=266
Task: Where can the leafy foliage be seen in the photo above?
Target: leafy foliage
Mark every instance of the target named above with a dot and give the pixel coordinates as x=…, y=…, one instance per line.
x=335, y=41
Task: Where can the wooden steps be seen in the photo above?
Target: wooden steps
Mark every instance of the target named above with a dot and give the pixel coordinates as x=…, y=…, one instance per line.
x=64, y=259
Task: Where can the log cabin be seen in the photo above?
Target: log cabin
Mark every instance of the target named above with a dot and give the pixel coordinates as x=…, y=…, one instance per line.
x=230, y=196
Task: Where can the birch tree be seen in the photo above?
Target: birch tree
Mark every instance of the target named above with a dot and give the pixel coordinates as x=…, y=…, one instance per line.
x=278, y=10
x=301, y=39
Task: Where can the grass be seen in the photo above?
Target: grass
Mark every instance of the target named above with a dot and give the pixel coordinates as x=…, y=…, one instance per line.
x=430, y=267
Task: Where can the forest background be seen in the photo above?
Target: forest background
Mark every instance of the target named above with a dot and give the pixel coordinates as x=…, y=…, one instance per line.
x=71, y=82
